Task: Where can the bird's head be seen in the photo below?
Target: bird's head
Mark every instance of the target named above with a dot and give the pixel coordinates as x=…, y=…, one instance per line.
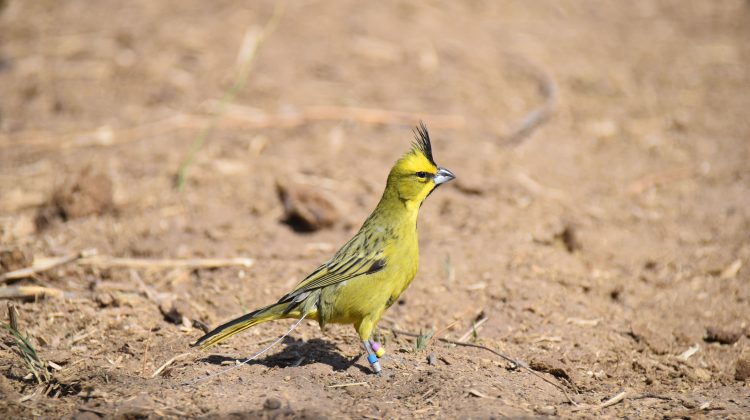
x=416, y=174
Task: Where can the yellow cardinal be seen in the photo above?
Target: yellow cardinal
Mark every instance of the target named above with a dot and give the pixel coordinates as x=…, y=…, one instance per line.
x=369, y=272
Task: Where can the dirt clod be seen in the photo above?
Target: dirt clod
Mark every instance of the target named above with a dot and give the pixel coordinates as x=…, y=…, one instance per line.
x=105, y=299
x=616, y=292
x=553, y=367
x=90, y=192
x=722, y=335
x=136, y=406
x=87, y=194
x=569, y=239
x=742, y=367
x=14, y=258
x=645, y=333
x=305, y=208
x=272, y=403
x=702, y=375
x=175, y=311
x=558, y=233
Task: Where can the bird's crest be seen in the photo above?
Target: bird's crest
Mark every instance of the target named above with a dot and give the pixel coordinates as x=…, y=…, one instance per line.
x=422, y=142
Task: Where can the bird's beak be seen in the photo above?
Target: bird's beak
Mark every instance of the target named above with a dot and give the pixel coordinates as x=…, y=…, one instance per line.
x=442, y=176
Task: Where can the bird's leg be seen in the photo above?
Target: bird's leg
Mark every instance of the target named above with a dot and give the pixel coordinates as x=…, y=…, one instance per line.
x=380, y=352
x=372, y=357
x=377, y=348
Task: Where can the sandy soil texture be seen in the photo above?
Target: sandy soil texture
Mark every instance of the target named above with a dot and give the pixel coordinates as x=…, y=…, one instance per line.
x=599, y=228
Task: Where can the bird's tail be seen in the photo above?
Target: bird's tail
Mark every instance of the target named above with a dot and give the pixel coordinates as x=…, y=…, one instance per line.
x=235, y=326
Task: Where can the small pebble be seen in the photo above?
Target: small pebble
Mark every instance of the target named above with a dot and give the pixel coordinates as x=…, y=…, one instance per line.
x=547, y=410
x=432, y=359
x=105, y=299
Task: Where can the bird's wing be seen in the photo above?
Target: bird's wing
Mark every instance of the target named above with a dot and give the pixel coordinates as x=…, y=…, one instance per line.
x=360, y=256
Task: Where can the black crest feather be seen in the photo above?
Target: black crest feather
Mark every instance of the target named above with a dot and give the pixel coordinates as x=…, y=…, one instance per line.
x=422, y=142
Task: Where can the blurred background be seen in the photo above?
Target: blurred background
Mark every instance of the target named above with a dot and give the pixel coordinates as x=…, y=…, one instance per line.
x=599, y=227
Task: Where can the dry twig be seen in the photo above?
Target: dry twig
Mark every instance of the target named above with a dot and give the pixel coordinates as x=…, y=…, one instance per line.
x=652, y=395
x=44, y=264
x=28, y=292
x=473, y=392
x=349, y=384
x=167, y=363
x=473, y=330
x=108, y=262
x=89, y=257
x=612, y=401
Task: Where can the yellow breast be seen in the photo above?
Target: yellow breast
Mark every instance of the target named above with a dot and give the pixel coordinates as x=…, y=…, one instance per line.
x=369, y=295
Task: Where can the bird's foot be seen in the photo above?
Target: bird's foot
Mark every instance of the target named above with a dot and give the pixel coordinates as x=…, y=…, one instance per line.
x=374, y=363
x=372, y=356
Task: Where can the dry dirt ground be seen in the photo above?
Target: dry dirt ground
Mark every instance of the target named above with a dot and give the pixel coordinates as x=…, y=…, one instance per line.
x=609, y=247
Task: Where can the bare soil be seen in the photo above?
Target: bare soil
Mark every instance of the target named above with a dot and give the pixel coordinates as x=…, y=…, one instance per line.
x=609, y=247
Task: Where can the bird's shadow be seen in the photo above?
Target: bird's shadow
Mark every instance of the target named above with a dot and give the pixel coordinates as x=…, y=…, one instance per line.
x=297, y=353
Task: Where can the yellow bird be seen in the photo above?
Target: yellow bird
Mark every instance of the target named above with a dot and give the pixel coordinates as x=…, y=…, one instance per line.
x=369, y=272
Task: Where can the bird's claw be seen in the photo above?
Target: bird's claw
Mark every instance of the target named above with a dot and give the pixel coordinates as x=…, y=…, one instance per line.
x=374, y=363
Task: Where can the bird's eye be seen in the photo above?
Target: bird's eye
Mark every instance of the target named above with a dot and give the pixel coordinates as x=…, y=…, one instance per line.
x=421, y=174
